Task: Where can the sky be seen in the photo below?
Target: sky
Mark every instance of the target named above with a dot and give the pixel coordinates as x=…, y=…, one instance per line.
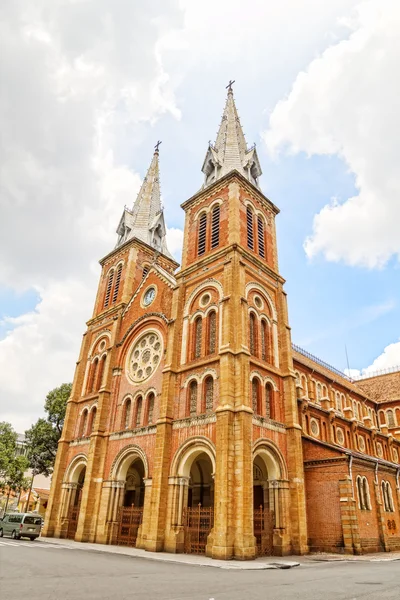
x=89, y=86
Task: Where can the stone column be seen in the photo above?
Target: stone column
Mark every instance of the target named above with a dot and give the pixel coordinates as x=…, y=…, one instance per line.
x=177, y=501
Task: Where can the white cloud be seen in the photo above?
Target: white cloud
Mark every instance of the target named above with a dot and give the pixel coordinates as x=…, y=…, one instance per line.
x=389, y=359
x=345, y=104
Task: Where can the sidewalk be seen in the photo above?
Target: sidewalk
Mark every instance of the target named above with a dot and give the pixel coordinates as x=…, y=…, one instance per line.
x=184, y=559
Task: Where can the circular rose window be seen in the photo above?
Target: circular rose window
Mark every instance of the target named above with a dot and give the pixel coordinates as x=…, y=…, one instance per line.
x=144, y=357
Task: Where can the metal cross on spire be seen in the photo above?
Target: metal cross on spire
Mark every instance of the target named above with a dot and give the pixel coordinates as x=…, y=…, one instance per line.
x=229, y=86
x=157, y=146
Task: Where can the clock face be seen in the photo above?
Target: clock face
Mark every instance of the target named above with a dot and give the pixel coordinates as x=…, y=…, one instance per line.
x=149, y=296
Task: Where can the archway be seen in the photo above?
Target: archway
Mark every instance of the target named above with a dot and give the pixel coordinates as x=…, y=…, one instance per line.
x=198, y=515
x=131, y=500
x=268, y=485
x=75, y=487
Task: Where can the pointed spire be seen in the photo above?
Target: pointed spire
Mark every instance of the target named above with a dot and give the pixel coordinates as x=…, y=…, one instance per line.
x=146, y=219
x=230, y=149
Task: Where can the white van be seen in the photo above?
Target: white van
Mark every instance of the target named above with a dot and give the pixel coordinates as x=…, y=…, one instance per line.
x=18, y=525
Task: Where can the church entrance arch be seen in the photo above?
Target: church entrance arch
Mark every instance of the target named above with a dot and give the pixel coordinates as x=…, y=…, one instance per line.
x=198, y=515
x=75, y=487
x=131, y=500
x=268, y=483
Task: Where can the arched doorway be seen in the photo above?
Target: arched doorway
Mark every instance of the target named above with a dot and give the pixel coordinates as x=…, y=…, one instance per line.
x=75, y=487
x=198, y=516
x=130, y=512
x=268, y=485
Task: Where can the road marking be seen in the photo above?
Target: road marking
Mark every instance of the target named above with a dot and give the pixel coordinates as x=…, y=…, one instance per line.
x=31, y=545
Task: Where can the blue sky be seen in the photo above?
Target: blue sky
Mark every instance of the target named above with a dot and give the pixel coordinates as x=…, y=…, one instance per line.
x=88, y=97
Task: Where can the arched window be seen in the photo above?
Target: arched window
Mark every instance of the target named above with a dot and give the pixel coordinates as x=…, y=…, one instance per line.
x=211, y=334
x=93, y=413
x=138, y=415
x=208, y=394
x=202, y=234
x=100, y=373
x=319, y=392
x=250, y=228
x=269, y=395
x=108, y=288
x=198, y=331
x=390, y=418
x=261, y=236
x=126, y=420
x=304, y=385
x=150, y=408
x=145, y=271
x=117, y=282
x=363, y=493
x=265, y=341
x=93, y=376
x=256, y=396
x=193, y=398
x=387, y=496
x=83, y=423
x=253, y=334
x=215, y=215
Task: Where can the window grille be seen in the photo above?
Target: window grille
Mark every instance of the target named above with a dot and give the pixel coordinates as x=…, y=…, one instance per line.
x=108, y=288
x=268, y=399
x=150, y=409
x=117, y=282
x=261, y=241
x=264, y=340
x=202, y=234
x=193, y=398
x=212, y=325
x=209, y=385
x=138, y=411
x=255, y=394
x=127, y=419
x=250, y=232
x=215, y=226
x=252, y=334
x=198, y=330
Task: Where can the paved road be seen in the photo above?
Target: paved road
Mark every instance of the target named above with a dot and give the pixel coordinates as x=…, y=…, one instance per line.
x=42, y=571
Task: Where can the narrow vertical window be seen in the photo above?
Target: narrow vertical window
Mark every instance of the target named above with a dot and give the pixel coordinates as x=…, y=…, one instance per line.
x=100, y=373
x=261, y=239
x=93, y=375
x=202, y=234
x=215, y=226
x=145, y=271
x=92, y=419
x=193, y=398
x=250, y=232
x=138, y=411
x=198, y=331
x=212, y=326
x=150, y=408
x=390, y=418
x=209, y=394
x=268, y=400
x=365, y=486
x=127, y=414
x=264, y=340
x=82, y=429
x=255, y=396
x=108, y=288
x=253, y=334
x=117, y=282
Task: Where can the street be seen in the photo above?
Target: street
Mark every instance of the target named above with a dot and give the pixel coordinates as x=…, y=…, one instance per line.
x=40, y=570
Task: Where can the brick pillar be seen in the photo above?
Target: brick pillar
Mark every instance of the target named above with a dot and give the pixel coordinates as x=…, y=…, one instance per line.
x=348, y=512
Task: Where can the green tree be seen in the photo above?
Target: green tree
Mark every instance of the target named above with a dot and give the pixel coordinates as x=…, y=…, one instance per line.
x=8, y=445
x=42, y=438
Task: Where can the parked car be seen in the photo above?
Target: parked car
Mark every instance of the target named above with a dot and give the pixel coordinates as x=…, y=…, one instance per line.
x=17, y=525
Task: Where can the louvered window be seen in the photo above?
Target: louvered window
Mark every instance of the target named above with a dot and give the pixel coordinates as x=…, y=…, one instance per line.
x=193, y=398
x=108, y=289
x=117, y=282
x=202, y=234
x=255, y=394
x=212, y=325
x=215, y=226
x=150, y=409
x=261, y=241
x=138, y=410
x=198, y=331
x=209, y=394
x=250, y=232
x=145, y=271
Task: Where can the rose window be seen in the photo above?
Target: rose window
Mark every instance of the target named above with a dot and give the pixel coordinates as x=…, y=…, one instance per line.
x=144, y=357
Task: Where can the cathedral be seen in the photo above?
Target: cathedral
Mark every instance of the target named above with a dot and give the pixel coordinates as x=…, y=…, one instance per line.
x=194, y=424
